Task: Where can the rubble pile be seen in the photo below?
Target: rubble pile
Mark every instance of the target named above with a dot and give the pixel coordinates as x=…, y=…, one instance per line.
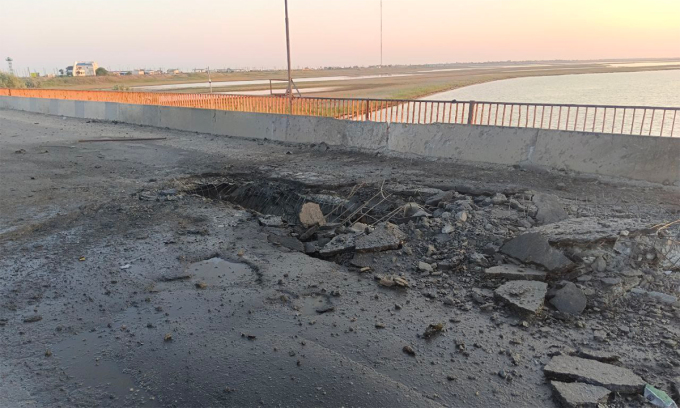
x=516, y=253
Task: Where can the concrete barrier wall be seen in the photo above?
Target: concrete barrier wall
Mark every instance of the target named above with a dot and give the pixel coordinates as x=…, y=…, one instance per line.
x=486, y=144
x=654, y=159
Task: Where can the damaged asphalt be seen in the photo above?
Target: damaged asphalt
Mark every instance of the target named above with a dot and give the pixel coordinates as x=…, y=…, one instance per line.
x=145, y=274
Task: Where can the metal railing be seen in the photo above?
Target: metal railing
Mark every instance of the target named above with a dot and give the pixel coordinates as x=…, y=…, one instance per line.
x=630, y=120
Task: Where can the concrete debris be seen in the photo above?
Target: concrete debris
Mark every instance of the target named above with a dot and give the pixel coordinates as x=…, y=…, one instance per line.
x=514, y=272
x=526, y=296
x=550, y=210
x=168, y=192
x=448, y=228
x=392, y=280
x=385, y=236
x=311, y=215
x=271, y=220
x=668, y=251
x=359, y=227
x=433, y=329
x=499, y=199
x=425, y=267
x=439, y=197
x=568, y=298
x=588, y=229
x=579, y=395
x=462, y=216
x=602, y=356
x=287, y=242
x=414, y=210
x=534, y=248
x=339, y=244
x=363, y=260
x=614, y=378
x=655, y=296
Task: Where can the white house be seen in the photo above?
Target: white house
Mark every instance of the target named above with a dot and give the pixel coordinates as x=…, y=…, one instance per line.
x=88, y=68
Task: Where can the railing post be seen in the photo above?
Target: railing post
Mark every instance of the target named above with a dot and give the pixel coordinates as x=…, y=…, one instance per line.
x=471, y=107
x=368, y=106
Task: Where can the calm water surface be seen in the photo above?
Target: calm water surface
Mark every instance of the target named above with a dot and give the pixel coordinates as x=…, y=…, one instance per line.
x=651, y=88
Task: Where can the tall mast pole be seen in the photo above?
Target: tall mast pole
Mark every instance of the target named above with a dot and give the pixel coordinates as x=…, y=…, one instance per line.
x=381, y=34
x=290, y=78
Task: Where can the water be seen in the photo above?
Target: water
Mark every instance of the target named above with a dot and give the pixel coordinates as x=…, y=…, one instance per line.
x=650, y=88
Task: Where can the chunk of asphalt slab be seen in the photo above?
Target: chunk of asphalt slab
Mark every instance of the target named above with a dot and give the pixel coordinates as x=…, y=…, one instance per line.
x=339, y=244
x=611, y=377
x=514, y=272
x=602, y=356
x=287, y=242
x=534, y=248
x=579, y=395
x=550, y=209
x=568, y=298
x=525, y=296
x=385, y=236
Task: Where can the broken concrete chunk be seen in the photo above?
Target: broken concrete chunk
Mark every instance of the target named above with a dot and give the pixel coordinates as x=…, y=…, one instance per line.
x=437, y=198
x=311, y=215
x=617, y=379
x=433, y=329
x=658, y=297
x=358, y=227
x=448, y=228
x=339, y=244
x=499, y=199
x=413, y=210
x=393, y=280
x=363, y=260
x=385, y=236
x=526, y=296
x=271, y=220
x=310, y=247
x=598, y=355
x=534, y=248
x=461, y=216
x=550, y=209
x=579, y=395
x=425, y=267
x=588, y=229
x=514, y=272
x=568, y=298
x=286, y=241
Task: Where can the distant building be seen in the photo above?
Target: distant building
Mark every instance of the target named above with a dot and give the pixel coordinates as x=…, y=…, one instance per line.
x=69, y=70
x=173, y=71
x=85, y=68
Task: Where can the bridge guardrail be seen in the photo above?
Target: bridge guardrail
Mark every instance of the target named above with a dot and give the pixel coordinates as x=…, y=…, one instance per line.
x=611, y=119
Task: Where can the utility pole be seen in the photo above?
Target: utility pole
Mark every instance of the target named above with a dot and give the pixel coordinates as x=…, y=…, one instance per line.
x=290, y=78
x=381, y=35
x=209, y=80
x=9, y=62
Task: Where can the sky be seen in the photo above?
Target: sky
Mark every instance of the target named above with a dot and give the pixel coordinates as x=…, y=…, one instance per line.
x=126, y=34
